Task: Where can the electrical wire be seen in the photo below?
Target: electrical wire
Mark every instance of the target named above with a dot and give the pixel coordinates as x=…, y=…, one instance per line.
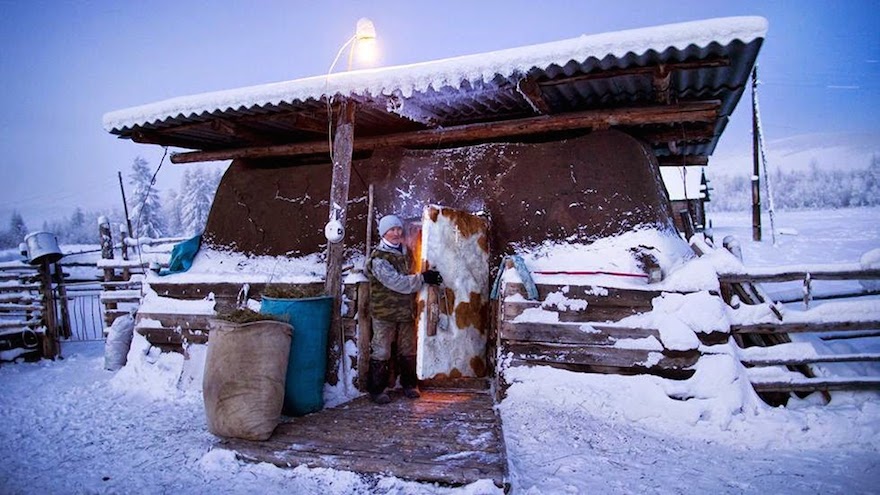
x=141, y=210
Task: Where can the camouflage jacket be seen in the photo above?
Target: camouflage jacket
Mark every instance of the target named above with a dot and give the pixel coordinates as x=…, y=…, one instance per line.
x=391, y=284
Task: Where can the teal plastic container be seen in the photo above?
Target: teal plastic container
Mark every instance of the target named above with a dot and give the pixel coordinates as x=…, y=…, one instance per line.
x=310, y=318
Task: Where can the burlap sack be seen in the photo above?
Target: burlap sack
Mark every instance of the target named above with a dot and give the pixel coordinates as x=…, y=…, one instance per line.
x=245, y=371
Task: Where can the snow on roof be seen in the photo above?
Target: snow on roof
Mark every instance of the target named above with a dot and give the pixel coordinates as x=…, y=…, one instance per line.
x=453, y=72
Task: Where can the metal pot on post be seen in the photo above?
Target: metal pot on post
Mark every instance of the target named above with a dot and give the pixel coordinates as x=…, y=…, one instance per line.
x=43, y=250
x=42, y=247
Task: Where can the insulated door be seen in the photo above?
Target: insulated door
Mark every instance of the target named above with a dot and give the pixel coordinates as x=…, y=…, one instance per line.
x=452, y=320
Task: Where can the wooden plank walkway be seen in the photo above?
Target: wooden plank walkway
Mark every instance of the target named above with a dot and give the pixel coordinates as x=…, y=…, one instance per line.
x=451, y=437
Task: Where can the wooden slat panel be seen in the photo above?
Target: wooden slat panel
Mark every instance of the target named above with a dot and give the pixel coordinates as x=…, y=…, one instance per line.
x=600, y=296
x=788, y=275
x=4, y=307
x=22, y=324
x=818, y=384
x=173, y=336
x=826, y=358
x=19, y=288
x=783, y=328
x=599, y=355
x=671, y=373
x=110, y=315
x=121, y=285
x=572, y=333
x=174, y=320
x=593, y=312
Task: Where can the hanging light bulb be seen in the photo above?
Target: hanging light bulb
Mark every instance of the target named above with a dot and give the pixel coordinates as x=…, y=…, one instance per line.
x=364, y=43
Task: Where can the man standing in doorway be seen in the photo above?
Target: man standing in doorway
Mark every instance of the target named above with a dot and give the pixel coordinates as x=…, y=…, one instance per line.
x=392, y=297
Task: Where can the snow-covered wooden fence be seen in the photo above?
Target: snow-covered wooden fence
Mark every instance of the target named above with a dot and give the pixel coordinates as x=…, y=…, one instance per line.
x=769, y=344
x=33, y=310
x=20, y=311
x=121, y=287
x=583, y=337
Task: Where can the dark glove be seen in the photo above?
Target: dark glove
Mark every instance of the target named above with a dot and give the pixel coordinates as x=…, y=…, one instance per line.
x=432, y=277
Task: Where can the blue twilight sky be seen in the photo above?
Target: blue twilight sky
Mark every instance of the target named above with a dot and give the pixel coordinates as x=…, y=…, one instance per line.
x=64, y=64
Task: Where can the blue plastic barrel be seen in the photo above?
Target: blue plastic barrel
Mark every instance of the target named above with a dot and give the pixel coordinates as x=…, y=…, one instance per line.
x=310, y=318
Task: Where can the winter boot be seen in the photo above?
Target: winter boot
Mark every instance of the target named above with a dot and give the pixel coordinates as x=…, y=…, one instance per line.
x=408, y=379
x=377, y=380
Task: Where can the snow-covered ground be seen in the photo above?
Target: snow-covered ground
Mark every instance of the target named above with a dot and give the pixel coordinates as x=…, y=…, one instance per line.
x=71, y=427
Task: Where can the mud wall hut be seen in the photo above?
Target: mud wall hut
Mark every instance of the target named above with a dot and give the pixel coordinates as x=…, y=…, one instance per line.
x=560, y=141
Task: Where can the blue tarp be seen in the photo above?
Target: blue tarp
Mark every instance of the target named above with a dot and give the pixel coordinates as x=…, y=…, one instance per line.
x=182, y=256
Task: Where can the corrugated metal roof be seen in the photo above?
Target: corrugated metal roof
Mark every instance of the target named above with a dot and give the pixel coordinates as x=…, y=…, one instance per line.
x=709, y=60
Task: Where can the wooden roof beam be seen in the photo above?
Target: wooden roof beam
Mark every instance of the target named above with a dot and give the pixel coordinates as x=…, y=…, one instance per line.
x=298, y=121
x=703, y=131
x=239, y=131
x=705, y=111
x=683, y=161
x=154, y=137
x=661, y=82
x=531, y=91
x=709, y=63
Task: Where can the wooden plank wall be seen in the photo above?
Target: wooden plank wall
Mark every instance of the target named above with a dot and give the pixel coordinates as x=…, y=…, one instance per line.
x=584, y=340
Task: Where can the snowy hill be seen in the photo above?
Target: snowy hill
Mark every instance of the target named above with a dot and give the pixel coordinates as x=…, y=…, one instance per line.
x=839, y=151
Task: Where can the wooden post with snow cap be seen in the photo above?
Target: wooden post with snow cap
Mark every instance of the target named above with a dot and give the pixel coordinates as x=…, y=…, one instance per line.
x=106, y=238
x=343, y=145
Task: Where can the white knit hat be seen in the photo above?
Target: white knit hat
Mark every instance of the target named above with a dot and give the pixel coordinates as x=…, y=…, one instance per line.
x=388, y=222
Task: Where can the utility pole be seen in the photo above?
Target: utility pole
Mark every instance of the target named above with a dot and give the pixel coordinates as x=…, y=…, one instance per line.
x=756, y=161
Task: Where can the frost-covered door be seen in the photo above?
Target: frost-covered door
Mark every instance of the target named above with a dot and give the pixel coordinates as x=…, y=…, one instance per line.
x=452, y=320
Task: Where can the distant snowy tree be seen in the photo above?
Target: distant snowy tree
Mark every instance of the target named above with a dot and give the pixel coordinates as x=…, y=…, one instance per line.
x=800, y=189
x=16, y=232
x=79, y=230
x=173, y=222
x=17, y=227
x=872, y=181
x=196, y=196
x=145, y=206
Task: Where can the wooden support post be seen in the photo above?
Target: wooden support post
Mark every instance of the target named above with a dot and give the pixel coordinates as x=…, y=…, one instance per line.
x=364, y=334
x=65, y=330
x=106, y=238
x=50, y=342
x=365, y=323
x=756, y=160
x=342, y=151
x=808, y=291
x=123, y=234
